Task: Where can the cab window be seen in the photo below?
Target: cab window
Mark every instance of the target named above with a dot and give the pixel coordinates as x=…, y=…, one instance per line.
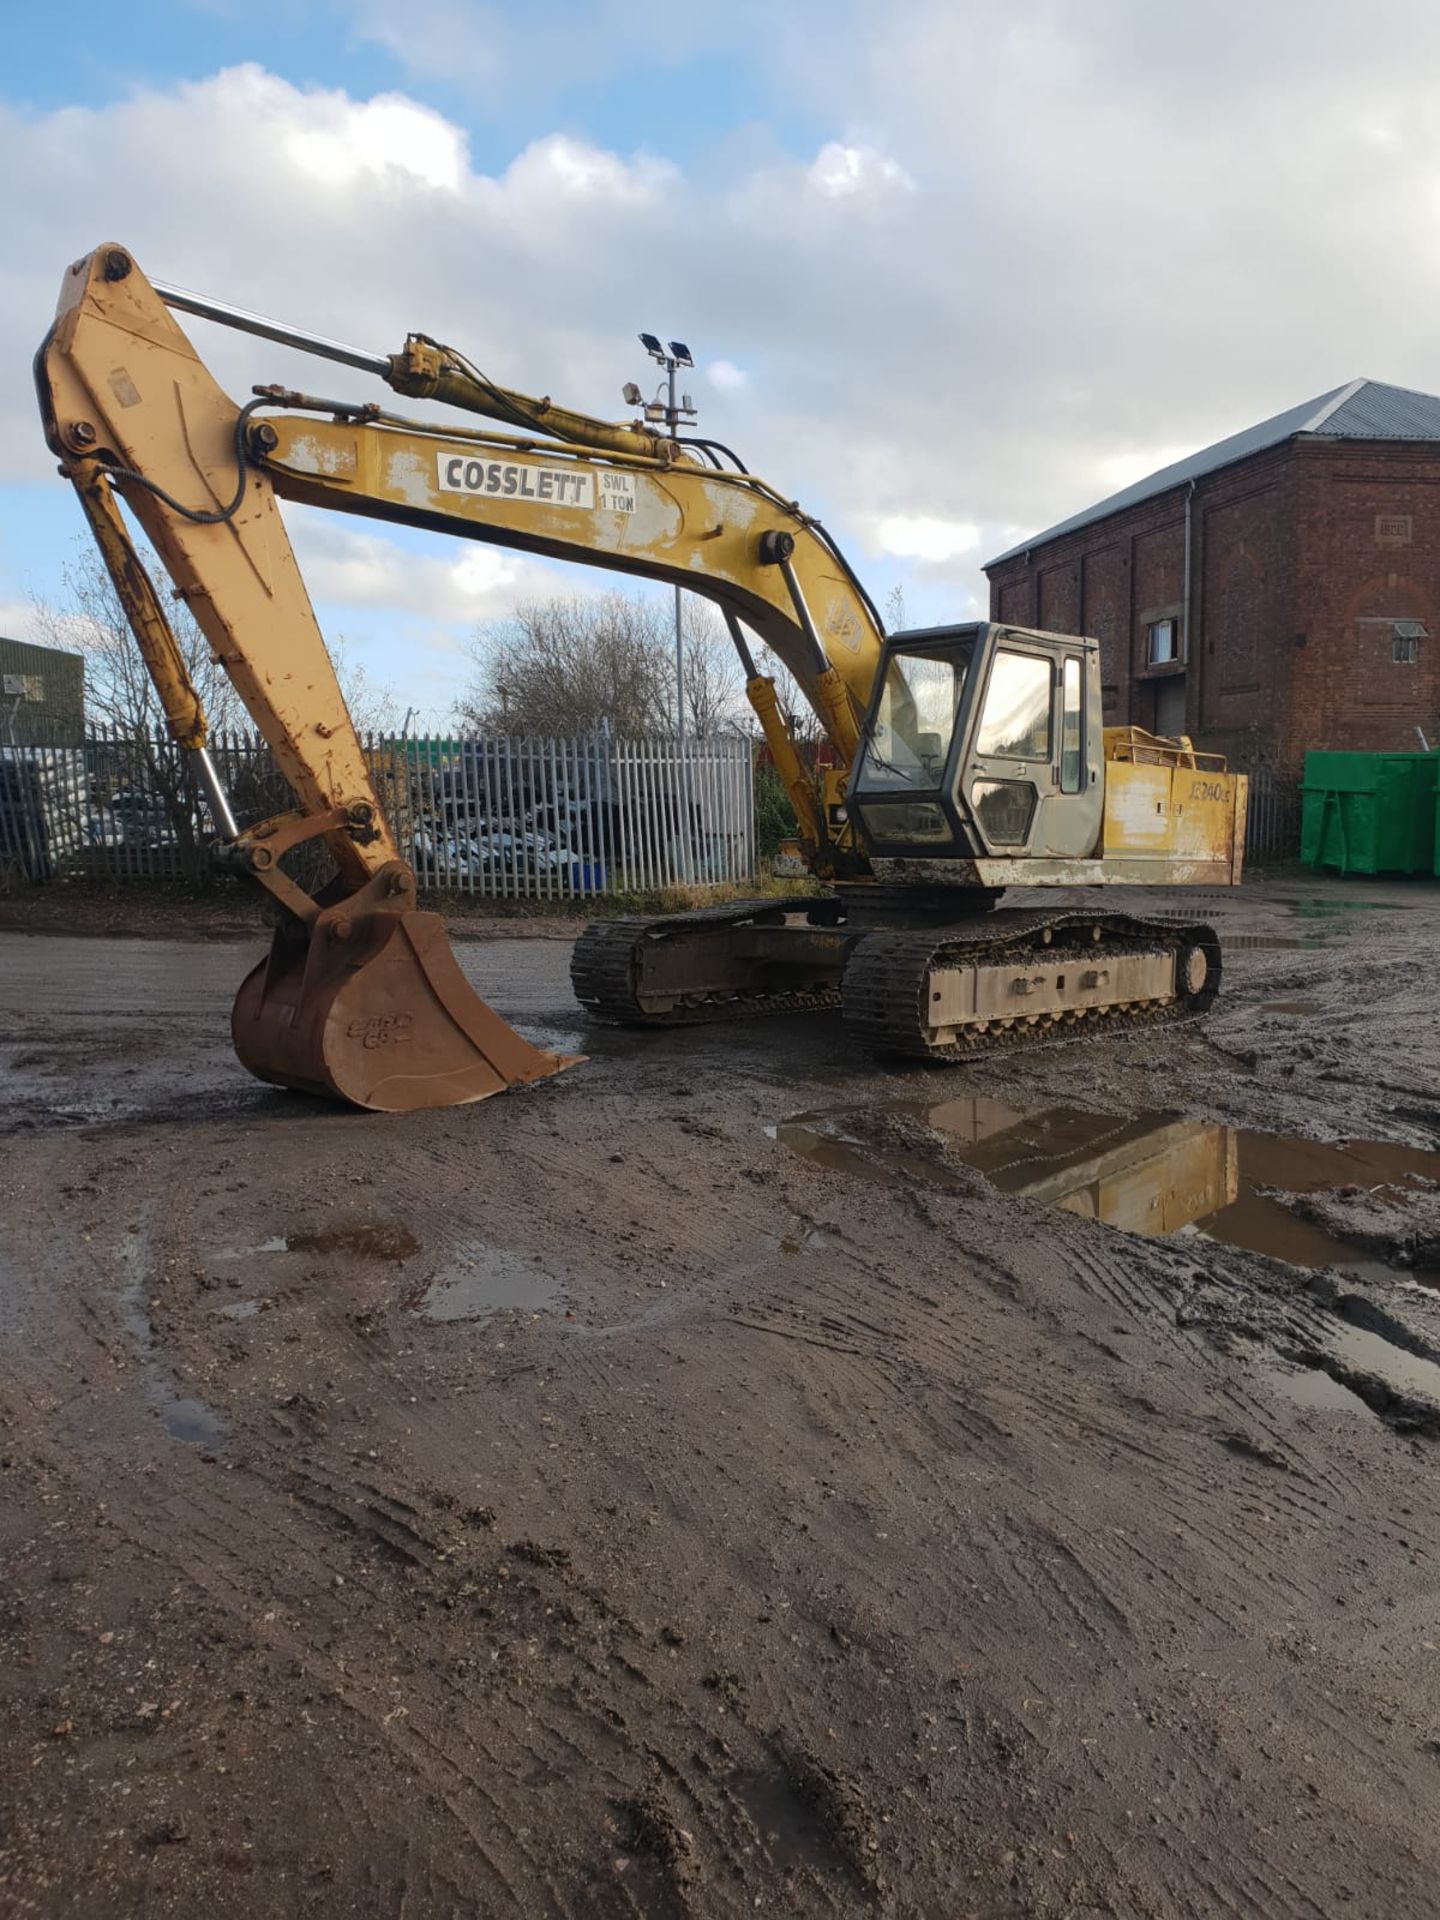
x=915, y=719
x=1072, y=733
x=1015, y=724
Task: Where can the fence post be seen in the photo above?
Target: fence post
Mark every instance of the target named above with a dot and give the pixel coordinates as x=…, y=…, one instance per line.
x=577, y=816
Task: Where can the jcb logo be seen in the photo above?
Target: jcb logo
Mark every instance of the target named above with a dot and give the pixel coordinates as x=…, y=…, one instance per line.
x=381, y=1029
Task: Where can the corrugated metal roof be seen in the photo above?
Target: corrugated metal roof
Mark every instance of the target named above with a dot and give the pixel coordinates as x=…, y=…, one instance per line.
x=1360, y=410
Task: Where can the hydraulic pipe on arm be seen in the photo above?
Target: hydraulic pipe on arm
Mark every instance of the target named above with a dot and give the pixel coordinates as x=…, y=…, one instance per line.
x=770, y=564
x=361, y=997
x=725, y=536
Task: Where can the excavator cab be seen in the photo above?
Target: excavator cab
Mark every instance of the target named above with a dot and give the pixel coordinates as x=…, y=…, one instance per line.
x=982, y=741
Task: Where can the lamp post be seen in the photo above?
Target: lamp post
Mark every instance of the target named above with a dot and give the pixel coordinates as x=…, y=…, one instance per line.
x=675, y=411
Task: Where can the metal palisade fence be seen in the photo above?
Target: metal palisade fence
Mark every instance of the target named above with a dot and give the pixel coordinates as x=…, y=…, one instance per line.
x=1272, y=818
x=496, y=817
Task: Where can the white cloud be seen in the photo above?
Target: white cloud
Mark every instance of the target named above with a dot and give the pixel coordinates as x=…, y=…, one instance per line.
x=922, y=536
x=458, y=585
x=1043, y=250
x=1118, y=470
x=386, y=136
x=49, y=626
x=841, y=172
x=18, y=622
x=558, y=168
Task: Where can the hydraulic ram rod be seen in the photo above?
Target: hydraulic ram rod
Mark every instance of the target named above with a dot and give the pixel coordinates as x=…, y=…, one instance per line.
x=228, y=316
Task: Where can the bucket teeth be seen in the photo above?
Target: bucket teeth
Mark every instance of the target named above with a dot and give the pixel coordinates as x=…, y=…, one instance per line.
x=374, y=1010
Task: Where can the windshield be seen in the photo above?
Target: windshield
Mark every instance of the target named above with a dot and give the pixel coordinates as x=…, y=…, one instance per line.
x=909, y=740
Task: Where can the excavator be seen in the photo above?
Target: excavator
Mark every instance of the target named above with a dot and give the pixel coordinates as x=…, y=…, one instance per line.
x=967, y=759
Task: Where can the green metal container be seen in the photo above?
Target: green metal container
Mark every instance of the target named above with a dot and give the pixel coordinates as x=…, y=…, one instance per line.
x=1369, y=812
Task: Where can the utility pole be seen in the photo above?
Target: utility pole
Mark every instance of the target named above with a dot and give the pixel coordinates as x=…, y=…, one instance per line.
x=676, y=412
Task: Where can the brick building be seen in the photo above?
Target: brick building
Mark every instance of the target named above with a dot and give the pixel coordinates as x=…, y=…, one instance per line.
x=42, y=696
x=1277, y=591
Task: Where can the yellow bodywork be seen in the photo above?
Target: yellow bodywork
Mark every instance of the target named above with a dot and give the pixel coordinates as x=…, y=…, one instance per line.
x=1145, y=1176
x=1173, y=1177
x=1165, y=803
x=133, y=411
x=690, y=526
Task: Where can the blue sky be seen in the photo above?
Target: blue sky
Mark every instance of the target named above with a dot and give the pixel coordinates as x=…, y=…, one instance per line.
x=682, y=97
x=952, y=271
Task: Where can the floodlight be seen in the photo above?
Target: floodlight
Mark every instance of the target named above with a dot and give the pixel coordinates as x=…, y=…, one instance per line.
x=630, y=394
x=651, y=344
x=682, y=353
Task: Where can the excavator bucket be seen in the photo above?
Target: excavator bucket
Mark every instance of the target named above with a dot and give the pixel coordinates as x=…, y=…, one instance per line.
x=373, y=1008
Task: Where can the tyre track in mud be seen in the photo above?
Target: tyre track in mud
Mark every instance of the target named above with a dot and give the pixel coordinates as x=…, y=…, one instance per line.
x=909, y=1549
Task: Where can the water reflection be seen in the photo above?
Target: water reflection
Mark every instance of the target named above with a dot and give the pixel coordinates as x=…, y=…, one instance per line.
x=1150, y=1173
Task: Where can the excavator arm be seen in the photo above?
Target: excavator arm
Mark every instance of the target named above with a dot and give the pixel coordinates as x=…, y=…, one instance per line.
x=722, y=535
x=361, y=995
x=608, y=494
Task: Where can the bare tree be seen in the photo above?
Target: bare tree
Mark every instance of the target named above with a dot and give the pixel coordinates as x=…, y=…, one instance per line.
x=896, y=619
x=89, y=619
x=146, y=783
x=799, y=716
x=572, y=665
x=714, y=680
x=146, y=774
x=373, y=705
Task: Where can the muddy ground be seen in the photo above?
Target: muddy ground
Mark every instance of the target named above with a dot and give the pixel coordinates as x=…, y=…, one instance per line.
x=690, y=1488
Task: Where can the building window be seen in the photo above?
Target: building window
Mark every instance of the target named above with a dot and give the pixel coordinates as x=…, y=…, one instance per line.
x=1162, y=642
x=1405, y=642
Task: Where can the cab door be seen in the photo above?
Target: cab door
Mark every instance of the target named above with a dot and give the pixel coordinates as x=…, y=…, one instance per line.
x=1030, y=779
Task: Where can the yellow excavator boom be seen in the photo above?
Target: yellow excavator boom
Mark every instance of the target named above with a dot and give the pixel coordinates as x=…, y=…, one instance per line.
x=360, y=996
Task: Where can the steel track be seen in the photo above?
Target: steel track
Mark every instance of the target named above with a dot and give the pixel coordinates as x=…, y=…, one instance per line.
x=605, y=964
x=884, y=992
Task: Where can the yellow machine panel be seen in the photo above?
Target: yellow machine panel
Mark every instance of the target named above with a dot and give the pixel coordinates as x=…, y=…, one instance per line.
x=1167, y=803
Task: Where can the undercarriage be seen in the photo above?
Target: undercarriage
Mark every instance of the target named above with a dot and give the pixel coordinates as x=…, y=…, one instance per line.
x=908, y=977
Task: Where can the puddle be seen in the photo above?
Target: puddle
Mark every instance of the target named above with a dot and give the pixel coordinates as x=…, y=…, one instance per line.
x=1367, y=1352
x=386, y=1240
x=193, y=1422
x=183, y=1418
x=1326, y=922
x=489, y=1282
x=1313, y=1387
x=1157, y=1174
x=1150, y=1173
x=1355, y=1359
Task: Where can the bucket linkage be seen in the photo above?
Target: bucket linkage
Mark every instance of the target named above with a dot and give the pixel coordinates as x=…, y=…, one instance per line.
x=361, y=998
